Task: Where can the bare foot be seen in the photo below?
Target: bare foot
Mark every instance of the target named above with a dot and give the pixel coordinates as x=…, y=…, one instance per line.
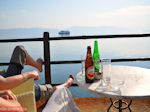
x=46, y=94
x=40, y=63
x=67, y=84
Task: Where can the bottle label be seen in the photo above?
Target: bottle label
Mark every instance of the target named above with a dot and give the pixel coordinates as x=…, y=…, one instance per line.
x=90, y=73
x=96, y=64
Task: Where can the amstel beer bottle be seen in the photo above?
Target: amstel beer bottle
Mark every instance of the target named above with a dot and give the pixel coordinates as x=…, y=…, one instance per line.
x=89, y=74
x=96, y=60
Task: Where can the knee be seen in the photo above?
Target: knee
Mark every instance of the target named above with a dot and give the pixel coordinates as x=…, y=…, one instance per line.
x=19, y=47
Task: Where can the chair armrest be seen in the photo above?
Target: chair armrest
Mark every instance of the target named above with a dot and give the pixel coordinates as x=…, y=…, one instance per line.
x=27, y=101
x=24, y=87
x=25, y=95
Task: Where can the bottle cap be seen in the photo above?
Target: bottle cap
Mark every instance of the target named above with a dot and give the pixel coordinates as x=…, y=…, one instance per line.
x=89, y=47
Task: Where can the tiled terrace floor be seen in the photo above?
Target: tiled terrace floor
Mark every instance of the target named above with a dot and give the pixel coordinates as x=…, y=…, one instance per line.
x=101, y=105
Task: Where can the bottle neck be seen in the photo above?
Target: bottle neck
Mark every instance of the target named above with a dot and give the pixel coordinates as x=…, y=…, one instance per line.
x=89, y=53
x=96, y=48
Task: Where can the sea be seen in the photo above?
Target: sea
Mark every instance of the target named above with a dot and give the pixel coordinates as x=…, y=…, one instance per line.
x=63, y=50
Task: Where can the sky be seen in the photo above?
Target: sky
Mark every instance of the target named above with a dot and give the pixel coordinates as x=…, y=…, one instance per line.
x=69, y=13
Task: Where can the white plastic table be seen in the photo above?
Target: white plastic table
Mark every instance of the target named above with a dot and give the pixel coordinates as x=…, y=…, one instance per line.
x=136, y=85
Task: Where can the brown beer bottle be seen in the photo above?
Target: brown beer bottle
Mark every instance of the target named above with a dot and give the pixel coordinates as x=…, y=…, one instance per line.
x=89, y=74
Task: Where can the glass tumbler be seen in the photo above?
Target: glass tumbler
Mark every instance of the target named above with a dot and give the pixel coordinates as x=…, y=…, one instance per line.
x=106, y=71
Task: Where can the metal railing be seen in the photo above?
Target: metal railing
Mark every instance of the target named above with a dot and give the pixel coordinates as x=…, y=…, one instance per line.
x=46, y=45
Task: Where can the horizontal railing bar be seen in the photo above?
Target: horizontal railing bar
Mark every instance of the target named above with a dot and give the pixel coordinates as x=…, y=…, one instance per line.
x=65, y=62
x=79, y=61
x=131, y=59
x=100, y=36
x=4, y=64
x=113, y=60
x=78, y=37
x=21, y=40
x=74, y=84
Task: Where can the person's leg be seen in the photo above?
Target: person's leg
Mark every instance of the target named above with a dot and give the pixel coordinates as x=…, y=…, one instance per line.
x=36, y=64
x=67, y=84
x=61, y=101
x=17, y=61
x=47, y=90
x=37, y=92
x=19, y=58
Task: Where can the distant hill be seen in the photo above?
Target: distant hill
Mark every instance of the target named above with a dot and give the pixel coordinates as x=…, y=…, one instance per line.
x=25, y=33
x=74, y=31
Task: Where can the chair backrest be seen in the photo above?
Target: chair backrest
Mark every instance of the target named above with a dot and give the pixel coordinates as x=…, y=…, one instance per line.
x=25, y=95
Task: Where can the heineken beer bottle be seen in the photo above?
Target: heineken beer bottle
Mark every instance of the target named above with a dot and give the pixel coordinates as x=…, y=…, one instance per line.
x=96, y=60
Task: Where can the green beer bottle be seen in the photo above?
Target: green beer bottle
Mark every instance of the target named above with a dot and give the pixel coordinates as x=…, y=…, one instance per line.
x=96, y=60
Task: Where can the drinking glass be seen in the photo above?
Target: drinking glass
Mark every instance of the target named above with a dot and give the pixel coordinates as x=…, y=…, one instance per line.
x=117, y=80
x=106, y=71
x=82, y=64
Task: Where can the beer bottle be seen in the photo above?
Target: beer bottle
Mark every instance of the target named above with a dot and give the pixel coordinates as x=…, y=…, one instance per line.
x=96, y=60
x=89, y=74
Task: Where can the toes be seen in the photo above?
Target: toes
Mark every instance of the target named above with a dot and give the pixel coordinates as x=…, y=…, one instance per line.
x=69, y=82
x=71, y=76
x=40, y=60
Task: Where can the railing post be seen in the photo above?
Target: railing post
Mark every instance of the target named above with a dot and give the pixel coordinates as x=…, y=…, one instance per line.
x=47, y=58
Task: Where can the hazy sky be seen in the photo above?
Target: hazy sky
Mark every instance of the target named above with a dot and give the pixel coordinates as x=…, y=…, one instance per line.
x=67, y=13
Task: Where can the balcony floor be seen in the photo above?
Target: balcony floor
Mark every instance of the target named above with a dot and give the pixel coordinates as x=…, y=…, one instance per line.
x=101, y=105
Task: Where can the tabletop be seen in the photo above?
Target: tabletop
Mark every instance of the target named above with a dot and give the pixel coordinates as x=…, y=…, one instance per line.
x=136, y=83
